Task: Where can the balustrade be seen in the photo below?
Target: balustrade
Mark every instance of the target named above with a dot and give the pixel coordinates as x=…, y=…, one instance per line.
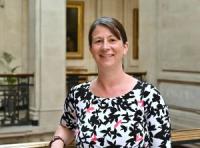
x=14, y=99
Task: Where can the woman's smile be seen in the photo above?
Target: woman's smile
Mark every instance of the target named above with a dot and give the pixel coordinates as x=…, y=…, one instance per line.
x=106, y=55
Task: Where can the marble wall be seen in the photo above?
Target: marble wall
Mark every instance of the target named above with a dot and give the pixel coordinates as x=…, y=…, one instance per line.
x=169, y=30
x=13, y=32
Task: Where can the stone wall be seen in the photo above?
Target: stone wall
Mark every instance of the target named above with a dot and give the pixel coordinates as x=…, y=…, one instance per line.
x=169, y=31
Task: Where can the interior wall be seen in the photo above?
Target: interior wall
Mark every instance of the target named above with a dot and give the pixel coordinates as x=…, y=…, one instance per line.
x=169, y=41
x=179, y=64
x=179, y=35
x=13, y=32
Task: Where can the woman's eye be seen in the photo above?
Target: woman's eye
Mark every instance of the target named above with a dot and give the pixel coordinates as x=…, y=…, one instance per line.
x=112, y=40
x=97, y=41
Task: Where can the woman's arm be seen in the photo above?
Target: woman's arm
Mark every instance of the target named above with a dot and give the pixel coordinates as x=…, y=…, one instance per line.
x=66, y=134
x=158, y=120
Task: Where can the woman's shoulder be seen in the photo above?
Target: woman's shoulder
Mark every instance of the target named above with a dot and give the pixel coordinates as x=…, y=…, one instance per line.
x=78, y=90
x=81, y=86
x=147, y=88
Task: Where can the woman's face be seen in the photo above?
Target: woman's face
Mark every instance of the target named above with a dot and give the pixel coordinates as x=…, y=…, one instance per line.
x=106, y=48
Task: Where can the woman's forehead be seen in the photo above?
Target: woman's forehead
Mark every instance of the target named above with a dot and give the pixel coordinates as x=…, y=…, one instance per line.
x=103, y=30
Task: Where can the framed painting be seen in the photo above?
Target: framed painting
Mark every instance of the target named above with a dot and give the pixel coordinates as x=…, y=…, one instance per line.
x=135, y=54
x=74, y=31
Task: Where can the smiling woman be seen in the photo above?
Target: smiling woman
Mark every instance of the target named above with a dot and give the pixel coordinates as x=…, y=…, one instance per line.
x=115, y=109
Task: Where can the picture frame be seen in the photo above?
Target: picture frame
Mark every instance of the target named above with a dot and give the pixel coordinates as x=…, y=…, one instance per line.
x=135, y=52
x=74, y=31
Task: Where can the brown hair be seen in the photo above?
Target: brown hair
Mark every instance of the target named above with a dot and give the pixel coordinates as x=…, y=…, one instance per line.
x=112, y=24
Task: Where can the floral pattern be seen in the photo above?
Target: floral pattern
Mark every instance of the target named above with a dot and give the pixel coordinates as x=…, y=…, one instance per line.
x=138, y=118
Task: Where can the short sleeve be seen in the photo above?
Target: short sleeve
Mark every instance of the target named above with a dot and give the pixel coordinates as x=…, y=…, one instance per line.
x=68, y=118
x=157, y=117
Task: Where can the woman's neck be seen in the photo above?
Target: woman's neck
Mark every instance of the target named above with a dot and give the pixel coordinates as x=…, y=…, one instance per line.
x=111, y=76
x=112, y=85
x=111, y=79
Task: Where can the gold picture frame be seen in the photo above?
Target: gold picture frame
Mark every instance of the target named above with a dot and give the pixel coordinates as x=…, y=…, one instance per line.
x=135, y=54
x=74, y=32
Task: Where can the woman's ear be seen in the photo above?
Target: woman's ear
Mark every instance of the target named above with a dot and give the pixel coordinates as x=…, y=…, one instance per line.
x=125, y=48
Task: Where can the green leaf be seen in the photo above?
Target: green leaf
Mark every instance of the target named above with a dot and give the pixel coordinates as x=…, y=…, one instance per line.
x=7, y=57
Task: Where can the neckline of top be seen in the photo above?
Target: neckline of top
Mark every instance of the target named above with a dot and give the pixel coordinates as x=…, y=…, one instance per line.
x=112, y=98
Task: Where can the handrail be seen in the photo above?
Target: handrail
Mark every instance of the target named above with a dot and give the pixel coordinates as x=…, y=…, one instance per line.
x=26, y=145
x=185, y=136
x=77, y=73
x=16, y=74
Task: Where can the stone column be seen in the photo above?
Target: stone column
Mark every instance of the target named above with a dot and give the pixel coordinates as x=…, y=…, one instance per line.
x=47, y=60
x=148, y=38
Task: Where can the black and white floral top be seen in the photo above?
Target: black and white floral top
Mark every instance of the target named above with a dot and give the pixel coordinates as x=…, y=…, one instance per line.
x=138, y=119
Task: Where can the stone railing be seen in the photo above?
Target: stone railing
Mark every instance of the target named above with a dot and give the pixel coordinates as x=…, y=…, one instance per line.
x=44, y=144
x=27, y=145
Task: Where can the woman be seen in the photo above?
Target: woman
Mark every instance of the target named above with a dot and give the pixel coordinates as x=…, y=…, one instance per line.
x=115, y=109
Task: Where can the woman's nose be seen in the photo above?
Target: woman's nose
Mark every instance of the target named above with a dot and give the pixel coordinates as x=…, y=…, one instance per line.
x=105, y=45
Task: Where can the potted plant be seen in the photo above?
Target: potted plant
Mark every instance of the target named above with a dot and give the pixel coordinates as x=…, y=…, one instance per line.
x=6, y=63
